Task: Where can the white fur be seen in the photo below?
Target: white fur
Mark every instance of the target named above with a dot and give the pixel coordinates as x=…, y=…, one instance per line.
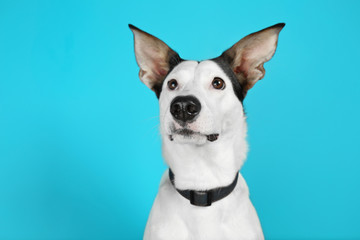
x=173, y=217
x=199, y=164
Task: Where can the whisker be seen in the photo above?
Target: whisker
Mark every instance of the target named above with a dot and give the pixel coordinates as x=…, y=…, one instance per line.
x=152, y=130
x=150, y=118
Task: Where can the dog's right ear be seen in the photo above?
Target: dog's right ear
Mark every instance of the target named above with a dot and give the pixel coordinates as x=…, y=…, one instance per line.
x=154, y=58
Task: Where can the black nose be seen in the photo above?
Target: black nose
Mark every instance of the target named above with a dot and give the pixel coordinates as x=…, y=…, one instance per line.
x=185, y=108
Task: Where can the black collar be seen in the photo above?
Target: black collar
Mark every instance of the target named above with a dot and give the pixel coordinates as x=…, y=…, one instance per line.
x=205, y=198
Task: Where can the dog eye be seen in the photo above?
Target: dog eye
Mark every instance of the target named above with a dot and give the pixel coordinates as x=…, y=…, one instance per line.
x=172, y=84
x=218, y=83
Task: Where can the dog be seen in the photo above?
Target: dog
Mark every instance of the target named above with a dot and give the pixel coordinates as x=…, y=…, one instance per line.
x=203, y=129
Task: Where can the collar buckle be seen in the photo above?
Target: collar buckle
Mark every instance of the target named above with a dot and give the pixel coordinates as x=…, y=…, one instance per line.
x=201, y=198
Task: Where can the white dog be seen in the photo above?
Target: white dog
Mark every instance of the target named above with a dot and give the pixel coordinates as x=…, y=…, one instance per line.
x=203, y=128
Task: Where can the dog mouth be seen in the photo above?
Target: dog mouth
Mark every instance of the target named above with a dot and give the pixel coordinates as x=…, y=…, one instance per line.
x=188, y=133
x=212, y=137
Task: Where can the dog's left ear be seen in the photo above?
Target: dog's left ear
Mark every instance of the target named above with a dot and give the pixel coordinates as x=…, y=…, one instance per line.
x=247, y=57
x=154, y=58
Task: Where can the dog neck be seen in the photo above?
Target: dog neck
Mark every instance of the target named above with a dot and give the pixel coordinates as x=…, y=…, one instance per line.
x=207, y=166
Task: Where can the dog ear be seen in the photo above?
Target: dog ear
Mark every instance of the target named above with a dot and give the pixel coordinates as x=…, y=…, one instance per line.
x=154, y=58
x=247, y=57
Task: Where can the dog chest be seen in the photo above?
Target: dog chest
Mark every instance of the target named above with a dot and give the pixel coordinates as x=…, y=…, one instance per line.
x=173, y=217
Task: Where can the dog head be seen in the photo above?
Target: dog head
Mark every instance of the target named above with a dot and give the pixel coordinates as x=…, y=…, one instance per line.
x=201, y=102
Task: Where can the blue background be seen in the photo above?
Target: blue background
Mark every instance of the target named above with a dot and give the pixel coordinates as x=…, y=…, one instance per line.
x=80, y=150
